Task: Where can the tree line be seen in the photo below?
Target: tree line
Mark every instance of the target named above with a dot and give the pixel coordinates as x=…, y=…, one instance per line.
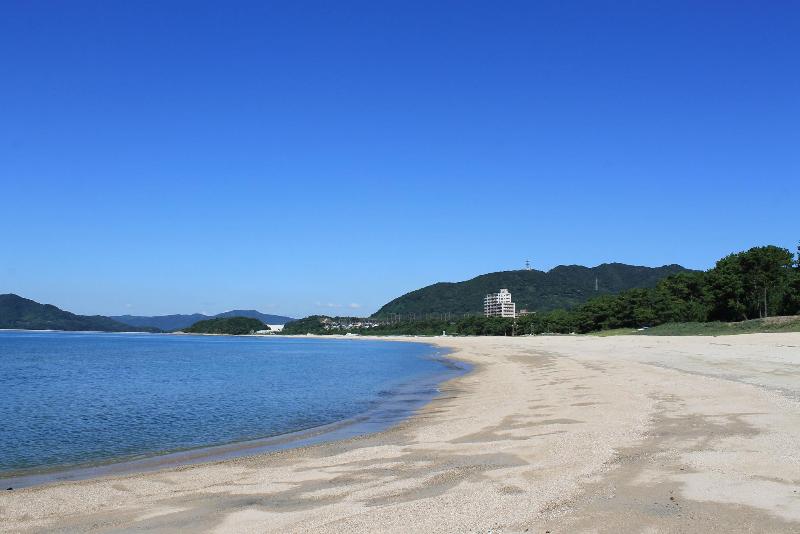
x=753, y=284
x=760, y=282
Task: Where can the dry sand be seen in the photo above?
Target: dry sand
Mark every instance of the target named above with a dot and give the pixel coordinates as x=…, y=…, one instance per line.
x=559, y=434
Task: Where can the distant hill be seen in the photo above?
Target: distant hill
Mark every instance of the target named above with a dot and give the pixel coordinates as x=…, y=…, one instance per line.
x=22, y=313
x=253, y=314
x=179, y=321
x=564, y=286
x=162, y=322
x=234, y=326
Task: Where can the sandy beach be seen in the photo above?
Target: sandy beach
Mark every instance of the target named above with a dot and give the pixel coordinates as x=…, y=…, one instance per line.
x=558, y=434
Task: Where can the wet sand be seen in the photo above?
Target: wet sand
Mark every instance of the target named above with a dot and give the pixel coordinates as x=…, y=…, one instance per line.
x=559, y=434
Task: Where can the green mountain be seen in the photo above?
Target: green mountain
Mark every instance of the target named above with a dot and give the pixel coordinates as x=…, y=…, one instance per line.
x=167, y=323
x=234, y=326
x=565, y=286
x=265, y=318
x=178, y=321
x=22, y=313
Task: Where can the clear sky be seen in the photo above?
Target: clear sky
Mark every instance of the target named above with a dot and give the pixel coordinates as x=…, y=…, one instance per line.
x=298, y=158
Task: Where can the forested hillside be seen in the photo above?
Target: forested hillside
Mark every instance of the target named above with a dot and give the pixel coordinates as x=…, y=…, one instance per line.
x=565, y=286
x=750, y=291
x=22, y=313
x=235, y=326
x=169, y=323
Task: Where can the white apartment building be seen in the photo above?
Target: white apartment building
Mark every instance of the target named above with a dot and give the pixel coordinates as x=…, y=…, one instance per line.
x=499, y=305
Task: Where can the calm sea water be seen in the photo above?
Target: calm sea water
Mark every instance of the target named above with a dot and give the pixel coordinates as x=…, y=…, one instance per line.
x=72, y=399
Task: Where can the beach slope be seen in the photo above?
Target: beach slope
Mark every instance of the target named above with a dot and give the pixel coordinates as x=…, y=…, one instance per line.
x=566, y=434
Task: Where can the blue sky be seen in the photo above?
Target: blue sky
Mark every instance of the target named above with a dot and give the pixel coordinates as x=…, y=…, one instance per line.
x=298, y=158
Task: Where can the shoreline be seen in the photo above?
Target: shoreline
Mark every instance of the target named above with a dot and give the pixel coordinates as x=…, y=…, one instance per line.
x=564, y=434
x=402, y=403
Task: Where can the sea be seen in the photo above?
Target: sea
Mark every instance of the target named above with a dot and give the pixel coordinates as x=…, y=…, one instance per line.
x=78, y=404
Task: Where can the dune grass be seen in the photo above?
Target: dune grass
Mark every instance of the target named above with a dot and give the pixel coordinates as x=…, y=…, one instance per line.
x=770, y=324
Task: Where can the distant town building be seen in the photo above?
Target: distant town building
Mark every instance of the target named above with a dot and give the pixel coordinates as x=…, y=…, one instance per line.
x=499, y=305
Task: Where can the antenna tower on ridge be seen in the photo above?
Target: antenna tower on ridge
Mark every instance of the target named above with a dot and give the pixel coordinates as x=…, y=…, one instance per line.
x=527, y=265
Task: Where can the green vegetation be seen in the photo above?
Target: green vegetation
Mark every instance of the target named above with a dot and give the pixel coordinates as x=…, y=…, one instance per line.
x=740, y=294
x=565, y=286
x=22, y=313
x=169, y=323
x=713, y=328
x=314, y=324
x=743, y=286
x=716, y=328
x=468, y=326
x=234, y=326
